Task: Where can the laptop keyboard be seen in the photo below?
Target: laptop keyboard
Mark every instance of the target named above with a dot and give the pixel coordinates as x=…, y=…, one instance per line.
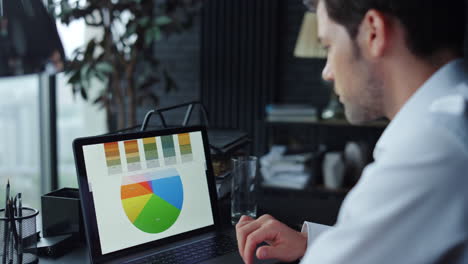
x=194, y=253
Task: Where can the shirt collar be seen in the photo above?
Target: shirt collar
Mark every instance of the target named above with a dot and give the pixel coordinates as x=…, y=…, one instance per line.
x=439, y=84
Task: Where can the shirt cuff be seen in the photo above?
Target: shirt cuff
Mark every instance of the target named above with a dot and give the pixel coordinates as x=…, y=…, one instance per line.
x=313, y=230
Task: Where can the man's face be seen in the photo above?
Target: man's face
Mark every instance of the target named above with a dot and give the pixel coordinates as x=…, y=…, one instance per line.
x=354, y=77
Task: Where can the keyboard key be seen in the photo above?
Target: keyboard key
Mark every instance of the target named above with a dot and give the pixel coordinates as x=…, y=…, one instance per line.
x=196, y=252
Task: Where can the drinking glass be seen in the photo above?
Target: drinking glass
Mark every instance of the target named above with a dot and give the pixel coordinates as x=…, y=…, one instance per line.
x=243, y=188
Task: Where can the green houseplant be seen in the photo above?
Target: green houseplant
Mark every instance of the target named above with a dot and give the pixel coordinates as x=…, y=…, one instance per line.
x=123, y=58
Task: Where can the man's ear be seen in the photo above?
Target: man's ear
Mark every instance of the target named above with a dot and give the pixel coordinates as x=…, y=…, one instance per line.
x=374, y=33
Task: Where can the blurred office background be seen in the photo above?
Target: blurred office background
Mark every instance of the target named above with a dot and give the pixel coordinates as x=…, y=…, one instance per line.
x=237, y=58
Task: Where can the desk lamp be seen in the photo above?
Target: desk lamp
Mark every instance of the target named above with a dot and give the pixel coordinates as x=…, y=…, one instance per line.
x=308, y=46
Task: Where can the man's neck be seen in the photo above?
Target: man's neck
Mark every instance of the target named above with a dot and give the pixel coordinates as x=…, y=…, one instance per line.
x=406, y=75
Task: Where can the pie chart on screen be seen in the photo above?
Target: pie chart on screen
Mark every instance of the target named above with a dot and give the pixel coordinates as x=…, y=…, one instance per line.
x=153, y=201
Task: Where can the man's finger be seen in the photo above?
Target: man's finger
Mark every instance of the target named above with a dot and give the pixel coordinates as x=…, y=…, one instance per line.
x=268, y=252
x=239, y=233
x=244, y=220
x=255, y=238
x=243, y=232
x=246, y=227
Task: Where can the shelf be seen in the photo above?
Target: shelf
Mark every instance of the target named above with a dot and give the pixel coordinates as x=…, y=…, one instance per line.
x=332, y=123
x=314, y=190
x=322, y=188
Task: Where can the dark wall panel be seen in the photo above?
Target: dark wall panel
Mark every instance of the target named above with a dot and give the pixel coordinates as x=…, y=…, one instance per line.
x=239, y=64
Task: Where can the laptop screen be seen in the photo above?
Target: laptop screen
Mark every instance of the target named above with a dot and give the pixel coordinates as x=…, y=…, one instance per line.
x=147, y=189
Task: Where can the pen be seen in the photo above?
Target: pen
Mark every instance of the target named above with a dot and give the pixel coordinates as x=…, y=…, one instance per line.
x=7, y=231
x=7, y=192
x=13, y=235
x=20, y=230
x=11, y=214
x=5, y=235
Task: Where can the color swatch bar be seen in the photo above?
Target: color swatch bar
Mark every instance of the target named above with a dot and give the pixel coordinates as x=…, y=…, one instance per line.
x=113, y=162
x=151, y=152
x=168, y=150
x=185, y=147
x=133, y=155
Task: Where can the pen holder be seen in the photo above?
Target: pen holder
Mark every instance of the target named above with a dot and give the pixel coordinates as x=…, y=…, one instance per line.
x=18, y=237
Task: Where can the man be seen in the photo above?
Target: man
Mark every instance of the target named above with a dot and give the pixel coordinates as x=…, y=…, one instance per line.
x=398, y=59
x=28, y=39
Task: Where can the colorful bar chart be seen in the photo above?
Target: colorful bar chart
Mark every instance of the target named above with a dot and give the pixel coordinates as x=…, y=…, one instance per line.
x=185, y=147
x=133, y=155
x=151, y=152
x=113, y=162
x=168, y=150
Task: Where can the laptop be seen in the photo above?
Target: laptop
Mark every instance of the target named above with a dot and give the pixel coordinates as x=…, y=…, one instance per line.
x=150, y=197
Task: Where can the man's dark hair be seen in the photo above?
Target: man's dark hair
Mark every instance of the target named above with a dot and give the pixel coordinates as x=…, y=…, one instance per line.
x=431, y=25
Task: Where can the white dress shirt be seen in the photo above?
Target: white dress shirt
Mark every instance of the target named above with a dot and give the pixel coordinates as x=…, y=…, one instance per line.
x=411, y=203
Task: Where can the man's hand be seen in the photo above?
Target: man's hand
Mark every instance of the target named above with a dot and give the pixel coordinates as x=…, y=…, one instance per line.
x=284, y=243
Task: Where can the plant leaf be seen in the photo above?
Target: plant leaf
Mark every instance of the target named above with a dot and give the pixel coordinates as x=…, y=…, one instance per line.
x=163, y=20
x=99, y=99
x=84, y=94
x=89, y=52
x=105, y=67
x=74, y=77
x=144, y=21
x=101, y=76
